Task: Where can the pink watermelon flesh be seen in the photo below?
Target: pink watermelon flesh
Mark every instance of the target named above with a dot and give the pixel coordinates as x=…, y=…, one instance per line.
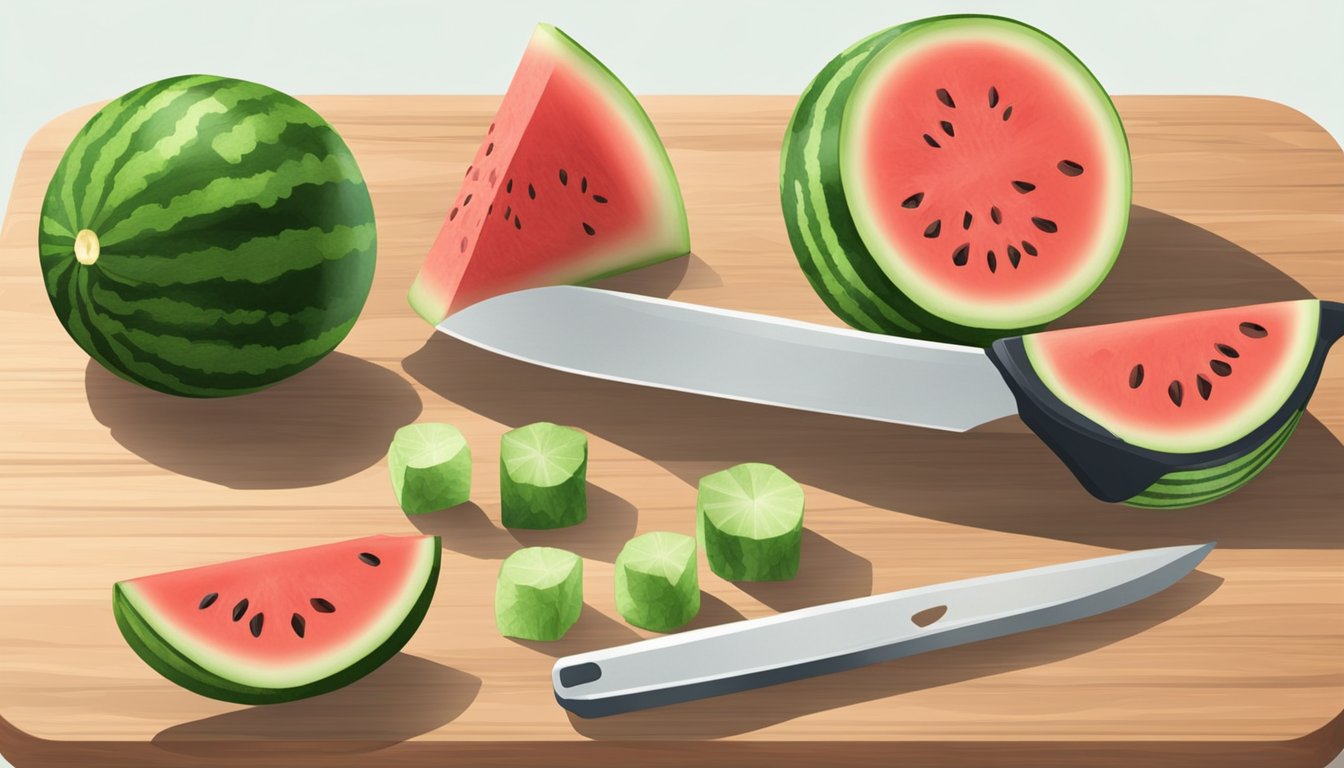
x=995, y=180
x=570, y=183
x=289, y=618
x=1183, y=383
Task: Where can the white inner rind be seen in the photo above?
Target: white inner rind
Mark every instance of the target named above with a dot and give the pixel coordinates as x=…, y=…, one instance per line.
x=982, y=312
x=257, y=673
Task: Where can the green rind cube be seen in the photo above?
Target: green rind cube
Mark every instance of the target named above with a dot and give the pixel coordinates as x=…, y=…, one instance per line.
x=539, y=593
x=430, y=465
x=543, y=472
x=657, y=586
x=749, y=519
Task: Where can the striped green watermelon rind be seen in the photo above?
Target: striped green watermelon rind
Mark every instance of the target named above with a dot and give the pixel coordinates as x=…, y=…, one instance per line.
x=824, y=233
x=166, y=659
x=1188, y=488
x=236, y=237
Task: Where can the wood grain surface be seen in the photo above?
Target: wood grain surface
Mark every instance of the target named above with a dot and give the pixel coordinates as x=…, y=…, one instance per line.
x=1236, y=201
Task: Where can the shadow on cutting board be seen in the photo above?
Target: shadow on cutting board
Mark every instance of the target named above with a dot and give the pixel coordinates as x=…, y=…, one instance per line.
x=324, y=424
x=752, y=710
x=404, y=698
x=998, y=477
x=467, y=529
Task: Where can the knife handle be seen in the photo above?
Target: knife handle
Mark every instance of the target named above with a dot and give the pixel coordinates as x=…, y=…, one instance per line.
x=1108, y=467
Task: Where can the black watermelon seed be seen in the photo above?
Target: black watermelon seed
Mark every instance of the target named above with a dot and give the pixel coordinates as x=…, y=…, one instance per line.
x=1023, y=186
x=255, y=624
x=993, y=261
x=322, y=605
x=1227, y=351
x=240, y=609
x=599, y=199
x=930, y=141
x=1069, y=168
x=1220, y=367
x=517, y=222
x=467, y=201
x=370, y=559
x=489, y=209
x=1029, y=248
x=468, y=173
x=1007, y=113
x=297, y=623
x=913, y=201
x=508, y=211
x=995, y=214
x=583, y=184
x=1136, y=376
x=947, y=127
x=490, y=130
x=966, y=220
x=1254, y=330
x=508, y=185
x=993, y=97
x=962, y=255
x=531, y=192
x=208, y=600
x=564, y=177
x=1014, y=256
x=489, y=148
x=1175, y=392
x=452, y=214
x=933, y=229
x=1204, y=386
x=946, y=98
x=589, y=229
x=1045, y=225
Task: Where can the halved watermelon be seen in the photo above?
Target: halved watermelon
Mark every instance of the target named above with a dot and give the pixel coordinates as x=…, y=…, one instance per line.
x=571, y=184
x=281, y=626
x=1172, y=411
x=959, y=177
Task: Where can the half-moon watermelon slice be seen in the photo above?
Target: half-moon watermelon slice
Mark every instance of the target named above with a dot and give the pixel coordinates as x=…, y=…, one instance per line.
x=281, y=626
x=571, y=184
x=959, y=177
x=1172, y=411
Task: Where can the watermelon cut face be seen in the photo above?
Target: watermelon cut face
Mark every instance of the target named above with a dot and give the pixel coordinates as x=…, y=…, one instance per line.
x=281, y=626
x=961, y=177
x=571, y=183
x=204, y=236
x=1182, y=383
x=1173, y=411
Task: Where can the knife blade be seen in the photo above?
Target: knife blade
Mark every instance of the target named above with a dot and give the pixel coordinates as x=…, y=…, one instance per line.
x=851, y=633
x=739, y=356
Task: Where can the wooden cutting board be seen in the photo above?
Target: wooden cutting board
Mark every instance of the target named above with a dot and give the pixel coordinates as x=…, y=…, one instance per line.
x=1236, y=201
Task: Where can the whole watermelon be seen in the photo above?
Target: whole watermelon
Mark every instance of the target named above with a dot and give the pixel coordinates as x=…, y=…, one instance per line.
x=206, y=237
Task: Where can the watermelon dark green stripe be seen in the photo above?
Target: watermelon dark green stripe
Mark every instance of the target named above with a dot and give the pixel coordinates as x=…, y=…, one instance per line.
x=853, y=289
x=236, y=233
x=1189, y=488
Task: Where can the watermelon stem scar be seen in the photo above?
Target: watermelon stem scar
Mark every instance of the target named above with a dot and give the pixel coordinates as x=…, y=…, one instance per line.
x=86, y=247
x=1173, y=411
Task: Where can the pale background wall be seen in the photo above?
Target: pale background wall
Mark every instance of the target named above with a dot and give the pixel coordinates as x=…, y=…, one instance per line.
x=58, y=54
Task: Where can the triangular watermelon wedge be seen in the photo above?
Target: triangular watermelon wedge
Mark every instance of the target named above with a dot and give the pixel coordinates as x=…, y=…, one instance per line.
x=571, y=184
x=281, y=626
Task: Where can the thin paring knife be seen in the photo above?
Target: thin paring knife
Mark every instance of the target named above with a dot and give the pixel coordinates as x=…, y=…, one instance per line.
x=838, y=636
x=788, y=363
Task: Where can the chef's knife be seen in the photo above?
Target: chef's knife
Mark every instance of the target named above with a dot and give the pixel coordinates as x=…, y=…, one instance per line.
x=776, y=361
x=851, y=633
